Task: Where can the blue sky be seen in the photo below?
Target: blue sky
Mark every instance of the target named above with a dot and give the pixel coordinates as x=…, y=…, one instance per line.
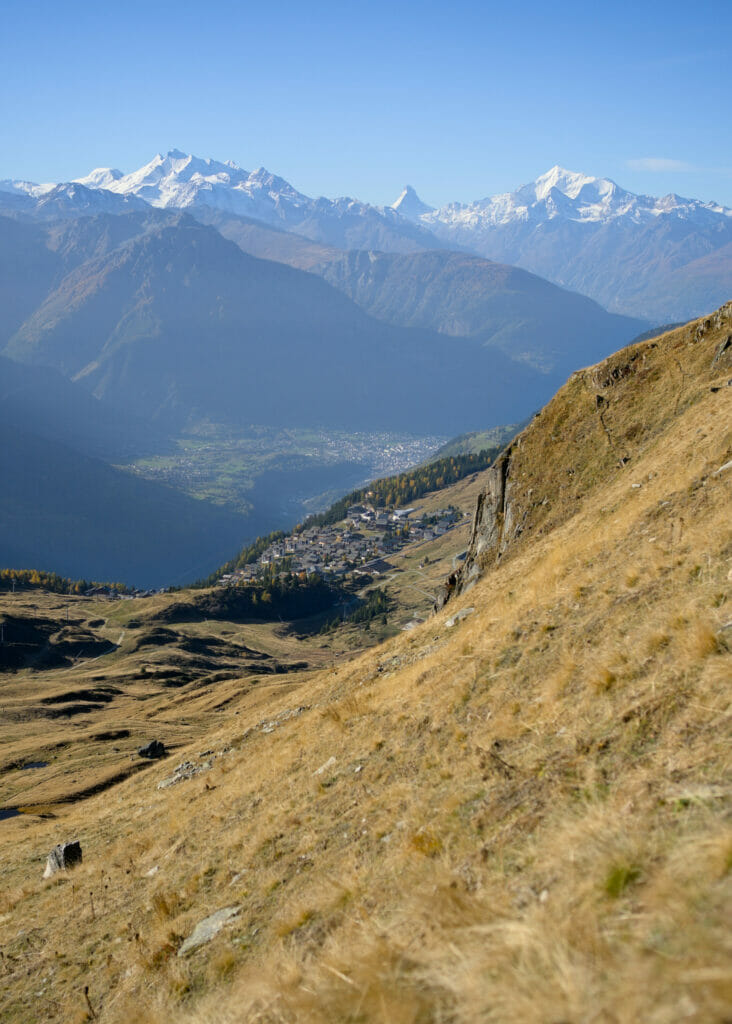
x=460, y=100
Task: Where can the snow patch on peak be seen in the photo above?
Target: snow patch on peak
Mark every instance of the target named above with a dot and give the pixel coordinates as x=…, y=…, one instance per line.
x=265, y=177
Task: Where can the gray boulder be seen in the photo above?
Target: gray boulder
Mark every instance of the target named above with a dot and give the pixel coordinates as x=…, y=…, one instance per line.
x=153, y=750
x=62, y=857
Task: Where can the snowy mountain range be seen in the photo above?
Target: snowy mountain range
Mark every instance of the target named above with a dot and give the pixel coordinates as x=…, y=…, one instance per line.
x=59, y=202
x=665, y=259
x=182, y=181
x=659, y=258
x=557, y=194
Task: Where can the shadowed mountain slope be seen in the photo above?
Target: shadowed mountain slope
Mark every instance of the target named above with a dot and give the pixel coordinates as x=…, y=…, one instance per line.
x=456, y=294
x=178, y=323
x=40, y=400
x=80, y=517
x=266, y=241
x=35, y=257
x=503, y=307
x=27, y=272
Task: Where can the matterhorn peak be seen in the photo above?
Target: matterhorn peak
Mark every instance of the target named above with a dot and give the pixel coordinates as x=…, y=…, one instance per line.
x=410, y=205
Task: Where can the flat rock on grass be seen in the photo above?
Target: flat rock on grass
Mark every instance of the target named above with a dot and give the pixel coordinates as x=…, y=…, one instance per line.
x=458, y=617
x=208, y=928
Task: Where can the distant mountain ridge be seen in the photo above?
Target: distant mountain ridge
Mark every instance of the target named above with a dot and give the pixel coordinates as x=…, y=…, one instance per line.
x=183, y=181
x=177, y=324
x=503, y=307
x=66, y=200
x=457, y=294
x=567, y=194
x=661, y=259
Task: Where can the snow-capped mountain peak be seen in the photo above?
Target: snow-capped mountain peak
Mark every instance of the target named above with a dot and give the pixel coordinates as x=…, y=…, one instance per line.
x=569, y=183
x=575, y=229
x=100, y=177
x=28, y=188
x=410, y=205
x=178, y=179
x=562, y=194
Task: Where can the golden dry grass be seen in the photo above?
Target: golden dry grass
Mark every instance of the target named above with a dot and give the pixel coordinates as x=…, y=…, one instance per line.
x=523, y=818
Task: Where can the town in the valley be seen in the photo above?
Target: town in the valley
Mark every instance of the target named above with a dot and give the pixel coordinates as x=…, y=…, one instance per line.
x=359, y=545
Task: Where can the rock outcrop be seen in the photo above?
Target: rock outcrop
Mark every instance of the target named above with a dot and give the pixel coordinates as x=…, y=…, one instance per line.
x=493, y=520
x=595, y=427
x=63, y=857
x=153, y=750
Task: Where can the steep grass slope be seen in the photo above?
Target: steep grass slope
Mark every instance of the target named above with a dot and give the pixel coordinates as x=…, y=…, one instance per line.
x=520, y=817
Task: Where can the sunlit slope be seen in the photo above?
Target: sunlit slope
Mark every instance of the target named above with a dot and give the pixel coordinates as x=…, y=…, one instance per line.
x=594, y=432
x=517, y=818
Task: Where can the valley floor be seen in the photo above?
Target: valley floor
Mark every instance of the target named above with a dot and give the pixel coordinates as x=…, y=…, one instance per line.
x=280, y=476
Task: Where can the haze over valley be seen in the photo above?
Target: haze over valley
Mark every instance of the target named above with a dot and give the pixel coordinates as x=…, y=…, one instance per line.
x=209, y=309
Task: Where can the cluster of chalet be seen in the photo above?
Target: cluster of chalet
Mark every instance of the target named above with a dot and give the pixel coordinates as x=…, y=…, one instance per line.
x=357, y=546
x=112, y=594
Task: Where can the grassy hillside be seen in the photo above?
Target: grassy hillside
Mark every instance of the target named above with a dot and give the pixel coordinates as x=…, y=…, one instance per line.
x=89, y=677
x=477, y=440
x=518, y=817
